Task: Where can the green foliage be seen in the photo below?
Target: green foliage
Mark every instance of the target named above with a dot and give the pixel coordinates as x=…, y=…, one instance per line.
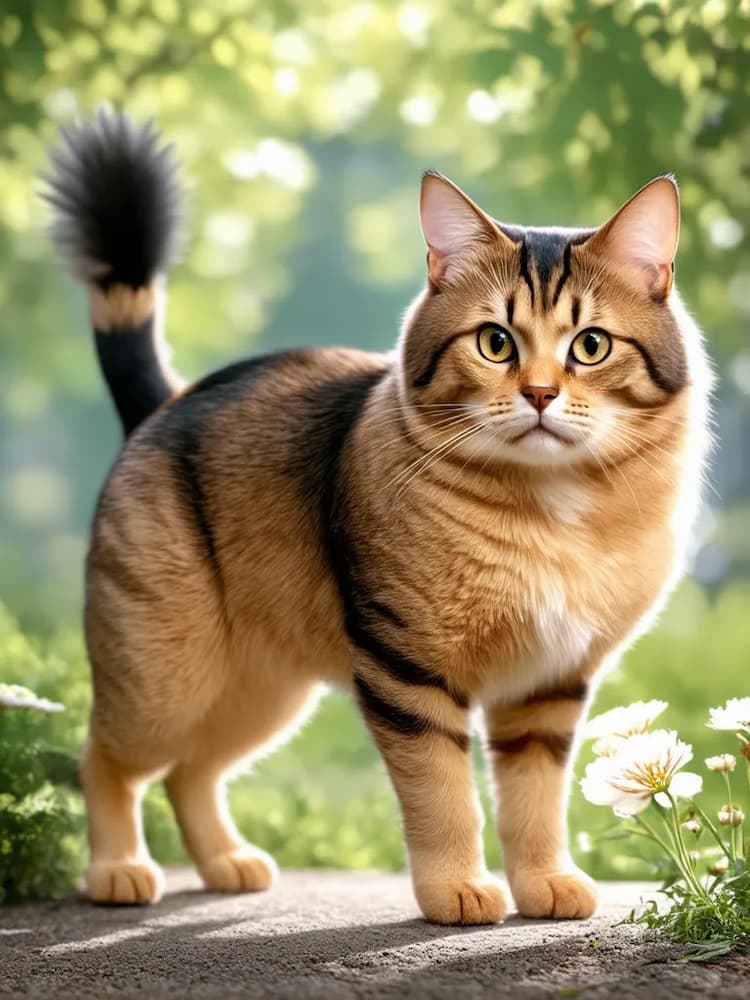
x=715, y=925
x=324, y=799
x=41, y=822
x=696, y=657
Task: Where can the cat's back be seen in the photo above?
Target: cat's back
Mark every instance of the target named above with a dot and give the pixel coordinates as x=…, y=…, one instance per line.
x=246, y=456
x=284, y=413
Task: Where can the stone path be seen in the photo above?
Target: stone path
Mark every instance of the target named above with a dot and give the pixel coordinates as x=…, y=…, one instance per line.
x=336, y=935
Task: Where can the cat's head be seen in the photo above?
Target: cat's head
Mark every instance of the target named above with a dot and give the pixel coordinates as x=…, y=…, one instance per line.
x=545, y=346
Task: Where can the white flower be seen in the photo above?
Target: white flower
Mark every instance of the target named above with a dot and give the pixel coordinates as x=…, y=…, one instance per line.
x=643, y=766
x=733, y=716
x=730, y=815
x=693, y=826
x=610, y=728
x=724, y=762
x=15, y=696
x=720, y=867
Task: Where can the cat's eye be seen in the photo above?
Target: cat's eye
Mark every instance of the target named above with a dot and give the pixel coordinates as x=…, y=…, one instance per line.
x=591, y=346
x=495, y=343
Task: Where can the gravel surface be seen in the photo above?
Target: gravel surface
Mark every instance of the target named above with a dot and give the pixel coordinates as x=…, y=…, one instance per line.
x=325, y=934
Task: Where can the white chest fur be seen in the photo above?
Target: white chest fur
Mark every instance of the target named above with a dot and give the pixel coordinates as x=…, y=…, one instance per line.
x=555, y=643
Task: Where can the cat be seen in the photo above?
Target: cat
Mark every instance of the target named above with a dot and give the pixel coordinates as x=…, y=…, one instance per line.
x=480, y=521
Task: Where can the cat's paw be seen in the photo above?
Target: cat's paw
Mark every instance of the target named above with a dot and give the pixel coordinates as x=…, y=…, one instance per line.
x=246, y=869
x=564, y=895
x=467, y=901
x=124, y=882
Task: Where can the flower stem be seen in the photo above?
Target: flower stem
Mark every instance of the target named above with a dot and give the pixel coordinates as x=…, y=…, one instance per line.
x=687, y=864
x=717, y=836
x=730, y=804
x=655, y=837
x=675, y=852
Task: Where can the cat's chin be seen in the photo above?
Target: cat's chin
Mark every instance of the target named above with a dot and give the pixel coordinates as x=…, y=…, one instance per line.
x=536, y=447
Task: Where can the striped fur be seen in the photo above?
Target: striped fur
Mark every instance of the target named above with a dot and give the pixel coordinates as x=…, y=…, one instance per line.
x=404, y=526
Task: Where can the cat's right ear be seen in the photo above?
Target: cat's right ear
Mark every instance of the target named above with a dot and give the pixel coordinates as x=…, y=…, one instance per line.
x=452, y=225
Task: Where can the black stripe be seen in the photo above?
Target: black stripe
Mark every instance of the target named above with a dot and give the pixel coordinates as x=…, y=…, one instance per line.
x=426, y=377
x=564, y=276
x=387, y=612
x=575, y=691
x=510, y=309
x=241, y=373
x=575, y=311
x=327, y=415
x=524, y=269
x=665, y=382
x=186, y=466
x=399, y=719
x=557, y=744
x=179, y=429
x=399, y=666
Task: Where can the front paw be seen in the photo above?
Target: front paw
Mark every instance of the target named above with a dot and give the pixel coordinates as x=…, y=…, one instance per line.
x=564, y=895
x=464, y=901
x=246, y=869
x=124, y=882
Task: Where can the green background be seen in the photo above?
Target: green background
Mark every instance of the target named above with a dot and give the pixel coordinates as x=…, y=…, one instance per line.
x=304, y=128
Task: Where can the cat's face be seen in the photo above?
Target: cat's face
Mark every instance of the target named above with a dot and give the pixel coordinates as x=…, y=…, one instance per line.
x=544, y=347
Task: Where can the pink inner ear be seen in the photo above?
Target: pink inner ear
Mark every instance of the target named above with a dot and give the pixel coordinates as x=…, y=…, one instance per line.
x=451, y=223
x=642, y=237
x=646, y=229
x=436, y=262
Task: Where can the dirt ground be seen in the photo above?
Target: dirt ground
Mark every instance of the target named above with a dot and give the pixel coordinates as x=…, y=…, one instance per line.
x=335, y=935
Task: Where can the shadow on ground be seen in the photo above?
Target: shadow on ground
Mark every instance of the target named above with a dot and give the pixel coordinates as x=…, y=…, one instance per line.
x=338, y=934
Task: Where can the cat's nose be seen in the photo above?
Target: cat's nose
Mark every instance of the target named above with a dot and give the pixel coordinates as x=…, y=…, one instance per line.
x=540, y=396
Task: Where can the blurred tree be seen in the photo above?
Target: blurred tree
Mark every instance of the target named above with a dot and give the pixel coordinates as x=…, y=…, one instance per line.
x=304, y=129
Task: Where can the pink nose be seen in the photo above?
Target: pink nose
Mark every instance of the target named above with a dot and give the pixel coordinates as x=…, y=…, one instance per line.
x=540, y=396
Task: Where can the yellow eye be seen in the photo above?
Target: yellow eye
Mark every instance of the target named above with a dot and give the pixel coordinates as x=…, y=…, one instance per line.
x=495, y=343
x=590, y=347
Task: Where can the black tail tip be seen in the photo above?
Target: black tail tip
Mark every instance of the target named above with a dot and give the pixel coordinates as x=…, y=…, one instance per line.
x=116, y=193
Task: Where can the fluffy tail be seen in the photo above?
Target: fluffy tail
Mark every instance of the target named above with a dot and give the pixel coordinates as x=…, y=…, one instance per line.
x=116, y=195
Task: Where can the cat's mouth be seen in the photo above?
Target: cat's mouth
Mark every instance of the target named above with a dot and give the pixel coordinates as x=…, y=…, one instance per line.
x=540, y=432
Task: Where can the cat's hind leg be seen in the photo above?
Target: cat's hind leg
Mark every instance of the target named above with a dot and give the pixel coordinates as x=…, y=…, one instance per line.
x=121, y=869
x=226, y=862
x=240, y=726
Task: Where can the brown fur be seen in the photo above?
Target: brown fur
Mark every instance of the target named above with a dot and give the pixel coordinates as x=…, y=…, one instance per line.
x=315, y=518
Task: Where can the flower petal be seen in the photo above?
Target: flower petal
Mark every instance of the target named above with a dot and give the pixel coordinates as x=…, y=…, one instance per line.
x=686, y=785
x=631, y=805
x=595, y=785
x=625, y=720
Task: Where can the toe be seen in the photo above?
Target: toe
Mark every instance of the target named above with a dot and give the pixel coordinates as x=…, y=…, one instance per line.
x=462, y=902
x=124, y=883
x=247, y=869
x=561, y=895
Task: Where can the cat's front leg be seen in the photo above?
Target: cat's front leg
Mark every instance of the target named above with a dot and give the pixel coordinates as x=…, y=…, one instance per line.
x=530, y=752
x=422, y=731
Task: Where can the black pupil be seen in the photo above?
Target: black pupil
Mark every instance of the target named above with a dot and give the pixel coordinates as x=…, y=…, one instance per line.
x=497, y=342
x=591, y=343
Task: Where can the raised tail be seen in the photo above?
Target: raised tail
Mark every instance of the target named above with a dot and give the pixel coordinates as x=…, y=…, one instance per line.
x=116, y=195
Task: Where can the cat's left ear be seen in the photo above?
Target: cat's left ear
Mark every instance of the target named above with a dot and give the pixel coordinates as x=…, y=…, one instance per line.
x=641, y=238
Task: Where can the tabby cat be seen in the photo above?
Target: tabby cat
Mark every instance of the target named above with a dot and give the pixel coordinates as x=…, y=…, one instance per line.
x=479, y=521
